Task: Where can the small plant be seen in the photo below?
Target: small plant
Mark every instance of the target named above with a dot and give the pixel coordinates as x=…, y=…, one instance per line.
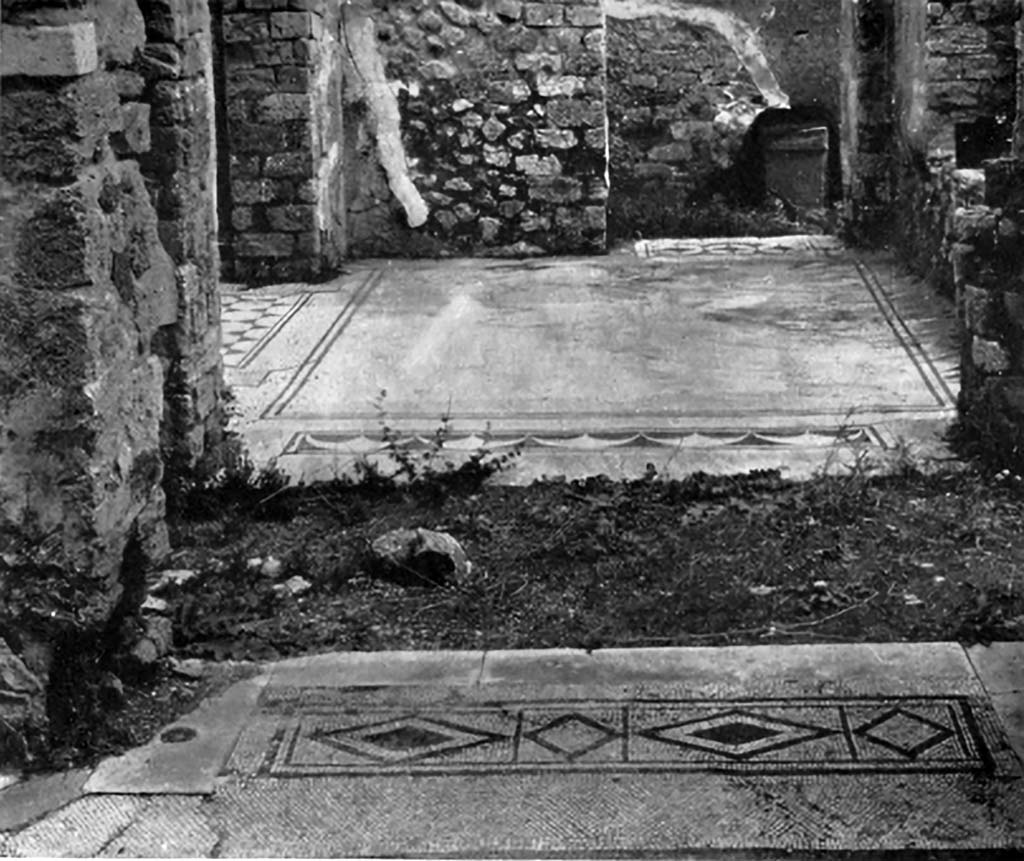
x=429, y=470
x=233, y=485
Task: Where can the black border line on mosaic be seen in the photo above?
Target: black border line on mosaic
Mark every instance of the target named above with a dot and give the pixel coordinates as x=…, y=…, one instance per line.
x=323, y=345
x=934, y=381
x=261, y=344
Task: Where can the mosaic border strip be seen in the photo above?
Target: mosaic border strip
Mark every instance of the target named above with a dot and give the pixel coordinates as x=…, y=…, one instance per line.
x=320, y=349
x=923, y=363
x=354, y=444
x=737, y=245
x=316, y=733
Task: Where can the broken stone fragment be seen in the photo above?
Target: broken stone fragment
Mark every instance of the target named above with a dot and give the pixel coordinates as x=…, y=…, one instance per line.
x=15, y=677
x=166, y=580
x=155, y=605
x=418, y=557
x=293, y=586
x=155, y=642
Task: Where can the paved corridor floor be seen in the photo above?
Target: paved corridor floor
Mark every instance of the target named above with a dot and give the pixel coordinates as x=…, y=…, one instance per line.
x=715, y=355
x=731, y=753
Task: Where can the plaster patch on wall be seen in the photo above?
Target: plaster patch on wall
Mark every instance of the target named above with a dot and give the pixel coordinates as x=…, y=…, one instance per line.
x=742, y=38
x=361, y=37
x=325, y=171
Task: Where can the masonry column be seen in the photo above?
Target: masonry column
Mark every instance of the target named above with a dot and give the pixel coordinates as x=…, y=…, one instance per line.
x=175, y=66
x=282, y=84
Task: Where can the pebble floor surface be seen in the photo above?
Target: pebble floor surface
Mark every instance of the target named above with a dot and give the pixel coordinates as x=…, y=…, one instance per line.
x=713, y=355
x=731, y=753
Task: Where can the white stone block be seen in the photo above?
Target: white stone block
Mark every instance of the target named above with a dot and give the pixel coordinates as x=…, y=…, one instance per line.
x=65, y=51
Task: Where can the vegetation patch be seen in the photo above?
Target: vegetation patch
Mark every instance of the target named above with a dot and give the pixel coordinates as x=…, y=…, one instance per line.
x=703, y=561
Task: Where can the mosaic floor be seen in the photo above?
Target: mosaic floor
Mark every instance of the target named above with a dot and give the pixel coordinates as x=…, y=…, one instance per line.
x=317, y=733
x=681, y=353
x=731, y=753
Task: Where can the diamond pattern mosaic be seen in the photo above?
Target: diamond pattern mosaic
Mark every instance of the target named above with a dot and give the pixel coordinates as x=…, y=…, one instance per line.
x=308, y=735
x=249, y=323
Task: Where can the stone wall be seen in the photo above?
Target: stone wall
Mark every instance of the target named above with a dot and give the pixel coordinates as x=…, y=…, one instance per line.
x=94, y=320
x=170, y=129
x=954, y=63
x=685, y=85
x=502, y=125
x=988, y=268
x=281, y=66
x=680, y=104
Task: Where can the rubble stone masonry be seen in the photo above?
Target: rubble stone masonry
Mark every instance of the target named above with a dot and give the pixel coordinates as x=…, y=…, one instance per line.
x=108, y=315
x=503, y=124
x=281, y=63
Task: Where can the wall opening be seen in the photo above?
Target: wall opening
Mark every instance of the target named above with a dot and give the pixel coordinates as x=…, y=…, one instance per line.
x=982, y=139
x=794, y=156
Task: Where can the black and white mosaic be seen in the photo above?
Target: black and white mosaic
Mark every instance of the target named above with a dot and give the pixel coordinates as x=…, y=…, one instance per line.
x=312, y=733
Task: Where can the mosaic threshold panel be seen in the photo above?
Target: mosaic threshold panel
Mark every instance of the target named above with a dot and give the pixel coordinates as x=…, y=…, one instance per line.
x=310, y=732
x=785, y=347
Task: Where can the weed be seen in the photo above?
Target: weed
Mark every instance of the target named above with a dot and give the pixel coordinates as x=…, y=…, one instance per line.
x=231, y=486
x=426, y=468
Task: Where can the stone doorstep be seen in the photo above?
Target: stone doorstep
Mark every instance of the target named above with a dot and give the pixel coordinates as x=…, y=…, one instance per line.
x=28, y=800
x=1000, y=666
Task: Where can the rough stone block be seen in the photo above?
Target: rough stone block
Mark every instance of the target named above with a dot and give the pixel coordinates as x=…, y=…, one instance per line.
x=53, y=134
x=282, y=107
x=173, y=20
x=596, y=138
x=264, y=245
x=498, y=156
x=134, y=137
x=510, y=10
x=595, y=217
x=241, y=81
x=546, y=62
x=65, y=51
x=557, y=189
x=531, y=222
x=492, y=129
x=568, y=113
x=559, y=85
x=509, y=92
x=555, y=138
x=980, y=310
x=293, y=25
x=246, y=28
x=293, y=79
x=976, y=222
x=489, y=230
x=957, y=40
x=248, y=138
x=988, y=356
x=543, y=14
x=253, y=191
x=456, y=14
x=291, y=218
x=534, y=165
x=584, y=16
x=289, y=164
x=64, y=245
x=160, y=60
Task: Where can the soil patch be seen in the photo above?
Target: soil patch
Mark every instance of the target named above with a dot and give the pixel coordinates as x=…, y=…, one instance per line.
x=595, y=563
